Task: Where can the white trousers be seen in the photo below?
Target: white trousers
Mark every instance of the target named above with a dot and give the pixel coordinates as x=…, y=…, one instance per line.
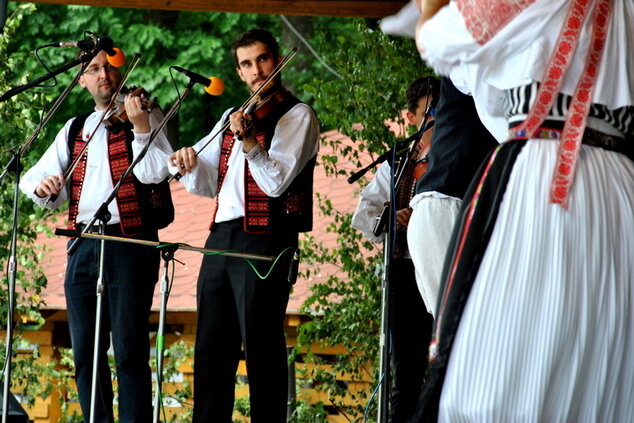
x=428, y=232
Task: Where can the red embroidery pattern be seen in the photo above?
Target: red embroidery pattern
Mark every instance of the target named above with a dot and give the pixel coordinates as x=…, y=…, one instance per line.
x=225, y=152
x=294, y=203
x=582, y=99
x=256, y=201
x=76, y=181
x=258, y=204
x=577, y=116
x=557, y=67
x=127, y=197
x=485, y=18
x=223, y=167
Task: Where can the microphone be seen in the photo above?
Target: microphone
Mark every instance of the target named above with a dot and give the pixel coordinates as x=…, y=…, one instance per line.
x=89, y=44
x=85, y=45
x=213, y=85
x=114, y=55
x=117, y=59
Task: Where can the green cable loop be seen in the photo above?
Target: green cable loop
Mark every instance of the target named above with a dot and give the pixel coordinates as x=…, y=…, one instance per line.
x=216, y=253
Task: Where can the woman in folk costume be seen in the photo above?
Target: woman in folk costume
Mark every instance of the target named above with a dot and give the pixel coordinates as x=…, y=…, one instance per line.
x=536, y=313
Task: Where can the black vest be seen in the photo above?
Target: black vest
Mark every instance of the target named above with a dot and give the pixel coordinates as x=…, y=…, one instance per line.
x=291, y=211
x=155, y=200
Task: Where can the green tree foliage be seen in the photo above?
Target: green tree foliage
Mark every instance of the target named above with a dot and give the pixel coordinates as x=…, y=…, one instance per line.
x=19, y=117
x=374, y=71
x=194, y=40
x=346, y=312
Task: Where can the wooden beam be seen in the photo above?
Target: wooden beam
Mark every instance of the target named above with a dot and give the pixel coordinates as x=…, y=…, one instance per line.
x=357, y=8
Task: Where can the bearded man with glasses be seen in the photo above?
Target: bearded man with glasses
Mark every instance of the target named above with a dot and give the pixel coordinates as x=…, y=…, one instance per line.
x=130, y=270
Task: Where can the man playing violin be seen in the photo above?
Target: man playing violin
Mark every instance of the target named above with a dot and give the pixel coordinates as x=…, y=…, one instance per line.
x=262, y=175
x=410, y=323
x=131, y=270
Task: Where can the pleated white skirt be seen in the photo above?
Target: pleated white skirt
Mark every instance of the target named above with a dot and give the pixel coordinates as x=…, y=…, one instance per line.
x=547, y=334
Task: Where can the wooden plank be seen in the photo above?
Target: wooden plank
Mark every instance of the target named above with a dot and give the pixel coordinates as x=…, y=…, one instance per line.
x=36, y=336
x=39, y=410
x=307, y=369
x=317, y=349
x=175, y=317
x=358, y=8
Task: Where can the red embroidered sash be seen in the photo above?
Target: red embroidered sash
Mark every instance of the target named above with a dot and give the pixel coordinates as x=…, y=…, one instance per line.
x=577, y=116
x=127, y=198
x=76, y=181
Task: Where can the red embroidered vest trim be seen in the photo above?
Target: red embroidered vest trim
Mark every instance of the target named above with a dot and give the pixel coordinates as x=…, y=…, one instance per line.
x=131, y=218
x=262, y=214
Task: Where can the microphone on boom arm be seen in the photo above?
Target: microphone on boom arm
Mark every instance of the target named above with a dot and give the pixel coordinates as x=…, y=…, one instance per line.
x=213, y=85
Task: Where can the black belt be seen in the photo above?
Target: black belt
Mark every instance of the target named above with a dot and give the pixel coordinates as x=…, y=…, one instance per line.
x=237, y=221
x=592, y=137
x=113, y=230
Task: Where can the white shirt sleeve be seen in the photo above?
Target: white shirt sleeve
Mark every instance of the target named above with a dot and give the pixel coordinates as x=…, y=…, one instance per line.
x=152, y=168
x=294, y=143
x=371, y=203
x=53, y=162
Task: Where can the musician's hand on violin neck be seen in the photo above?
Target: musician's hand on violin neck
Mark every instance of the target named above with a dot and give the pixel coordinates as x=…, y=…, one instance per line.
x=137, y=114
x=51, y=185
x=184, y=160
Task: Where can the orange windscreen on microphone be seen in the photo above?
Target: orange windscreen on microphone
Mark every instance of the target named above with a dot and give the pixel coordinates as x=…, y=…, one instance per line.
x=216, y=87
x=118, y=59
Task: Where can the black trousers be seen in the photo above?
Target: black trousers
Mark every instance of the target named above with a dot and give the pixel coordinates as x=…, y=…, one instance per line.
x=236, y=308
x=410, y=328
x=131, y=272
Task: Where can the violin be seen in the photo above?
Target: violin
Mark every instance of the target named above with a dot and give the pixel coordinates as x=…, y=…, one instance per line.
x=416, y=164
x=117, y=113
x=260, y=107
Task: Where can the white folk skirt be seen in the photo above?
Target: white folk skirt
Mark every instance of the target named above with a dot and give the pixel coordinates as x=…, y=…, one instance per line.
x=547, y=334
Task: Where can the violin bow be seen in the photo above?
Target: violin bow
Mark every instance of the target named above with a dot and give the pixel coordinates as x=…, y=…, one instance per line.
x=104, y=116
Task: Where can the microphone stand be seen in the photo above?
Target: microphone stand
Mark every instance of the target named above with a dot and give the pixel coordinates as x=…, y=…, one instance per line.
x=399, y=148
x=85, y=58
x=15, y=167
x=385, y=341
x=103, y=215
x=167, y=254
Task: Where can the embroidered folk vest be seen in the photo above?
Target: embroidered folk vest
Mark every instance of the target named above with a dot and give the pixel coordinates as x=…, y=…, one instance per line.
x=291, y=211
x=142, y=207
